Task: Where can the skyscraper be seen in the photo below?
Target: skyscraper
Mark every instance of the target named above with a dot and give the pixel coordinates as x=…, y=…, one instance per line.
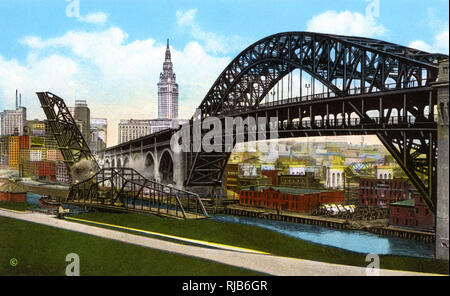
x=12, y=122
x=99, y=127
x=82, y=117
x=167, y=90
x=167, y=107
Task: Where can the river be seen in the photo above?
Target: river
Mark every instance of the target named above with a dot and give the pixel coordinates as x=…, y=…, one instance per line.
x=352, y=240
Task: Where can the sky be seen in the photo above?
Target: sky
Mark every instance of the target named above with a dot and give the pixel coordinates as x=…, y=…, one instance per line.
x=110, y=52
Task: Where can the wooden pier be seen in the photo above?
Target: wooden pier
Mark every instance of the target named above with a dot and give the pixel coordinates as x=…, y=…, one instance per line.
x=405, y=233
x=286, y=216
x=327, y=222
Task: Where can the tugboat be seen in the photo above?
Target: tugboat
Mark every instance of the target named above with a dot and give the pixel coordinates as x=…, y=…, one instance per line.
x=46, y=202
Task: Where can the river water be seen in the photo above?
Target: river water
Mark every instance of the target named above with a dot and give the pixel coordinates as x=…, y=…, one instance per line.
x=352, y=240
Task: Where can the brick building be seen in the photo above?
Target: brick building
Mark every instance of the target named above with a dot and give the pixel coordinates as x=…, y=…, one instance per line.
x=381, y=192
x=290, y=199
x=10, y=192
x=272, y=175
x=411, y=213
x=304, y=181
x=46, y=170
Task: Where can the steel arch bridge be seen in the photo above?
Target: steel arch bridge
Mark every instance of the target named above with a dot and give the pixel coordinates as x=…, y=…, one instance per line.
x=362, y=75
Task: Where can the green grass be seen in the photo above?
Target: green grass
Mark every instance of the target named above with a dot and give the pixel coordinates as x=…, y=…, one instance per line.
x=41, y=250
x=17, y=206
x=257, y=238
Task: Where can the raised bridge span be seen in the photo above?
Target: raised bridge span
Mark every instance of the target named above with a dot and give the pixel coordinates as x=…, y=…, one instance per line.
x=357, y=86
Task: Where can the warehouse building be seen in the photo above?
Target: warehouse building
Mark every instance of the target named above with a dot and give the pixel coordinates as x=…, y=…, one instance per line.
x=289, y=199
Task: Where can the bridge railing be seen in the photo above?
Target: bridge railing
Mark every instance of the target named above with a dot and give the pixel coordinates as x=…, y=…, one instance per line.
x=374, y=122
x=128, y=189
x=339, y=122
x=351, y=91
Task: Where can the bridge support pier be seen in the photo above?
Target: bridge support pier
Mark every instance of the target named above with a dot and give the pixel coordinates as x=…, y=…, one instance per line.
x=442, y=209
x=178, y=169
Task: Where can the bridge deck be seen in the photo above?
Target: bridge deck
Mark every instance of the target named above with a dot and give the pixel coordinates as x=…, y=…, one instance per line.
x=163, y=212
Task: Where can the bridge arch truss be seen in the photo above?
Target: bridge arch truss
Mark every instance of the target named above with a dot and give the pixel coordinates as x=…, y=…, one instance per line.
x=387, y=77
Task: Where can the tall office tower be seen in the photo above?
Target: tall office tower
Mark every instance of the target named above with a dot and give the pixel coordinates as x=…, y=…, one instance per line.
x=167, y=90
x=82, y=117
x=12, y=122
x=167, y=107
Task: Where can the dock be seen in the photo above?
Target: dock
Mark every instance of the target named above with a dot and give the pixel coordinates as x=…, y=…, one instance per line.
x=286, y=216
x=329, y=222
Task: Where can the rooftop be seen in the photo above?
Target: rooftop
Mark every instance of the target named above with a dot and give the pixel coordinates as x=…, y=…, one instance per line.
x=289, y=190
x=405, y=203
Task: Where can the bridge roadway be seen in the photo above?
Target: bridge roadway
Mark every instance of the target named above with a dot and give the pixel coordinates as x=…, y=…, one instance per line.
x=248, y=259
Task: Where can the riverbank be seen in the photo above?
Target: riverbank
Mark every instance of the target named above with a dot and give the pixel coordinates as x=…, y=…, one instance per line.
x=42, y=188
x=375, y=226
x=264, y=240
x=16, y=206
x=44, y=255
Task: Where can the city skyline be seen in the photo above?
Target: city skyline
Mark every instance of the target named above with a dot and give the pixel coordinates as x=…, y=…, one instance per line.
x=103, y=48
x=224, y=138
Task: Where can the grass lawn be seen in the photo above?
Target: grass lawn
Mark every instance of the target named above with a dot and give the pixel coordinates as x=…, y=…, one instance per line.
x=265, y=240
x=41, y=250
x=17, y=206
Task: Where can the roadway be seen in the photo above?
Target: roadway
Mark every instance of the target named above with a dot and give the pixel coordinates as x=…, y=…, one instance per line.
x=244, y=258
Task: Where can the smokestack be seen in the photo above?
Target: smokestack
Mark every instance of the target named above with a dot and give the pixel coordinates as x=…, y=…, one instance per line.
x=16, y=98
x=20, y=100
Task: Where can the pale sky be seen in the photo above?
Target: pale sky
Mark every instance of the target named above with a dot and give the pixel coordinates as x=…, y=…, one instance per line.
x=111, y=53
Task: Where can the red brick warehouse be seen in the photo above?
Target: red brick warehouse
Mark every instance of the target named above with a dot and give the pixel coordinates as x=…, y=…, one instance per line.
x=411, y=213
x=290, y=199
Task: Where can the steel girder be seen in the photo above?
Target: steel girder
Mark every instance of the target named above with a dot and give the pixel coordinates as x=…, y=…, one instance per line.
x=70, y=141
x=336, y=61
x=328, y=58
x=128, y=189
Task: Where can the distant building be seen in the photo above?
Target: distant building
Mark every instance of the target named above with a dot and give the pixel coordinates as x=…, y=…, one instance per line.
x=289, y=199
x=167, y=107
x=381, y=192
x=157, y=125
x=306, y=180
x=384, y=172
x=35, y=128
x=13, y=152
x=98, y=137
x=12, y=122
x=334, y=177
x=82, y=117
x=231, y=174
x=132, y=129
x=259, y=180
x=272, y=175
x=54, y=155
x=411, y=213
x=62, y=173
x=10, y=192
x=167, y=90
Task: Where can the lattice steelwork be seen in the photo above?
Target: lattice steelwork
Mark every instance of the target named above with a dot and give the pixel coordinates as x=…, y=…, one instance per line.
x=70, y=141
x=387, y=76
x=125, y=188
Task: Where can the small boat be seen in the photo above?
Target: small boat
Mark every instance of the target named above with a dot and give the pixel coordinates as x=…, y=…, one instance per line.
x=46, y=202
